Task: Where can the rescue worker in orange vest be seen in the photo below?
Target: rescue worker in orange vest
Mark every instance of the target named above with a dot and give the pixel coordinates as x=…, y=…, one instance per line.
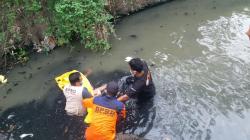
x=106, y=112
x=74, y=93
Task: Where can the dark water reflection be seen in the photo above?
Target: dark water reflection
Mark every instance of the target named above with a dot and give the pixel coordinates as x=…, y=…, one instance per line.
x=46, y=118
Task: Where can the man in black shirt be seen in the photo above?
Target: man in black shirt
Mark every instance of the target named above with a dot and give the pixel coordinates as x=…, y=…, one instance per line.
x=140, y=84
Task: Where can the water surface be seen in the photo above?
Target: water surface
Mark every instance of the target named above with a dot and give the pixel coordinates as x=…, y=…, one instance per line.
x=199, y=56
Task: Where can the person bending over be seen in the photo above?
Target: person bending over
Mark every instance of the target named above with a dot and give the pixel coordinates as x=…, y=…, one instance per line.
x=106, y=111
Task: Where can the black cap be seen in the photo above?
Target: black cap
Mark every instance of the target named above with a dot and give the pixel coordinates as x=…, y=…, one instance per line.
x=112, y=88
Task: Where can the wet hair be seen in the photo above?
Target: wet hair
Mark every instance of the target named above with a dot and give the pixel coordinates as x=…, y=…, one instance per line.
x=74, y=78
x=112, y=88
x=136, y=64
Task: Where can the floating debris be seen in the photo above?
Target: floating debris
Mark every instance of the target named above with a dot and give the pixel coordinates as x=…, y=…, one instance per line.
x=138, y=50
x=50, y=42
x=15, y=84
x=133, y=36
x=11, y=128
x=128, y=58
x=3, y=80
x=152, y=65
x=11, y=137
x=246, y=9
x=10, y=117
x=26, y=135
x=9, y=91
x=21, y=72
x=29, y=76
x=39, y=68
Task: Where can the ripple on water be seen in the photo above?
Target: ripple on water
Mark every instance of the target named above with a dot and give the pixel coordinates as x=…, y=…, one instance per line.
x=226, y=36
x=194, y=96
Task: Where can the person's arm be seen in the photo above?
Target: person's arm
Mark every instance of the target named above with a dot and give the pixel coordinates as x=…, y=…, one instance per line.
x=123, y=111
x=102, y=88
x=123, y=98
x=132, y=91
x=248, y=33
x=86, y=94
x=99, y=90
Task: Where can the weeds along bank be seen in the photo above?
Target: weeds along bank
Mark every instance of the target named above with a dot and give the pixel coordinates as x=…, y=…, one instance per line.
x=40, y=25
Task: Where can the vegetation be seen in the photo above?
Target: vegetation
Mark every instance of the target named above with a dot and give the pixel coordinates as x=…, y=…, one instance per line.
x=24, y=23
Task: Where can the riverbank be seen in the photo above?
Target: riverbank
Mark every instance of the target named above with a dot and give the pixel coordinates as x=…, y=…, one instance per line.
x=23, y=37
x=126, y=7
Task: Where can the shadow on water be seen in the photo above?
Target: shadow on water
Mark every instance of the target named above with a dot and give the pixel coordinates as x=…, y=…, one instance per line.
x=46, y=118
x=140, y=117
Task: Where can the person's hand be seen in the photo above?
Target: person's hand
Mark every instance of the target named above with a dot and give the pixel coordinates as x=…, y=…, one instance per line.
x=123, y=98
x=97, y=92
x=88, y=72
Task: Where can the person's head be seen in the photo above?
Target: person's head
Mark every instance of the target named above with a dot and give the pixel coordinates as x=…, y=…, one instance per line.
x=75, y=79
x=136, y=66
x=112, y=88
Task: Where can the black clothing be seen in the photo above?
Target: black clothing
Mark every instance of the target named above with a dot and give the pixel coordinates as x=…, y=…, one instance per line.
x=138, y=87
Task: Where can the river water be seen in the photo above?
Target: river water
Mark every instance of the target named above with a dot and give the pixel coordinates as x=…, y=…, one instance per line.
x=200, y=61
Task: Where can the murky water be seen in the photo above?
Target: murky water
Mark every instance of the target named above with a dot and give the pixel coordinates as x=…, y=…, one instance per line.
x=200, y=60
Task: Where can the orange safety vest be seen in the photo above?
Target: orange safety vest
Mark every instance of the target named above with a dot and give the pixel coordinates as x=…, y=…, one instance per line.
x=105, y=113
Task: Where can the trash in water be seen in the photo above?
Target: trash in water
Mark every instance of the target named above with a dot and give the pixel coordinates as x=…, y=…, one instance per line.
x=128, y=58
x=11, y=128
x=3, y=80
x=246, y=9
x=10, y=117
x=11, y=137
x=26, y=135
